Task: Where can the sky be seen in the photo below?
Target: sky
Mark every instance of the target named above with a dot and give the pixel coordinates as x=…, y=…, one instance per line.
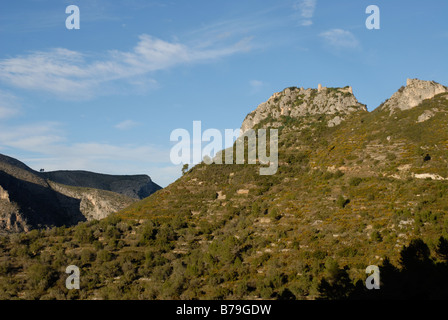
x=106, y=97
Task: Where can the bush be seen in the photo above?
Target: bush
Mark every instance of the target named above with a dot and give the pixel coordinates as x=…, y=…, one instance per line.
x=376, y=236
x=104, y=256
x=354, y=182
x=274, y=214
x=391, y=156
x=41, y=276
x=83, y=234
x=5, y=268
x=342, y=202
x=87, y=256
x=149, y=233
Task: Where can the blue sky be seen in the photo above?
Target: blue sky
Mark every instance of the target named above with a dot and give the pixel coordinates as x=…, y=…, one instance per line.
x=106, y=97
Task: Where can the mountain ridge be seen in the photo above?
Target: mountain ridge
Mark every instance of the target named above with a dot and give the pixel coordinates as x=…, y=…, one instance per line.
x=31, y=199
x=364, y=192
x=411, y=95
x=134, y=186
x=298, y=102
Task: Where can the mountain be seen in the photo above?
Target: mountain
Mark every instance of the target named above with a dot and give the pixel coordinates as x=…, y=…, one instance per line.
x=30, y=199
x=297, y=103
x=411, y=95
x=136, y=186
x=366, y=189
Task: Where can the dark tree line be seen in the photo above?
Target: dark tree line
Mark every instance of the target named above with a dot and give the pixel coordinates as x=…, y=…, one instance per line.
x=418, y=276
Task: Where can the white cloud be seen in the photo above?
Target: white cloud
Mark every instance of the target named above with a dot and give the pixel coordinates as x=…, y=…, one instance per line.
x=340, y=39
x=126, y=125
x=256, y=84
x=32, y=137
x=306, y=9
x=9, y=105
x=6, y=112
x=51, y=150
x=72, y=74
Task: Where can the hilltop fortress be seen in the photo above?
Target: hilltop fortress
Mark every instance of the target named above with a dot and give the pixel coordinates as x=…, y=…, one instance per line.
x=299, y=102
x=347, y=89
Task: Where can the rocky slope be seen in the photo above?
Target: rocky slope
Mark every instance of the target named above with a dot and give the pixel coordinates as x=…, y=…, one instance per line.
x=353, y=193
x=30, y=199
x=411, y=95
x=294, y=102
x=344, y=197
x=136, y=186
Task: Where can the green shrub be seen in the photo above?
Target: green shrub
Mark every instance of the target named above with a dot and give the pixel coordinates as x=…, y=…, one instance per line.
x=41, y=276
x=355, y=181
x=104, y=256
x=342, y=202
x=376, y=236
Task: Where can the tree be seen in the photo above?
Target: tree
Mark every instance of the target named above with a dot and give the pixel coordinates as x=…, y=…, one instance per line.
x=416, y=255
x=336, y=285
x=40, y=276
x=342, y=202
x=184, y=168
x=442, y=249
x=148, y=233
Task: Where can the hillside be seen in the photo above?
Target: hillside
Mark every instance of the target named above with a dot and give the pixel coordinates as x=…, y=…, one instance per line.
x=30, y=199
x=136, y=186
x=366, y=189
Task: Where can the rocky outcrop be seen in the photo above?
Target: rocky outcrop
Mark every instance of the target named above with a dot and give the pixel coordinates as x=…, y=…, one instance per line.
x=11, y=221
x=335, y=121
x=412, y=95
x=10, y=218
x=295, y=102
x=38, y=206
x=136, y=186
x=426, y=115
x=30, y=199
x=94, y=204
x=4, y=195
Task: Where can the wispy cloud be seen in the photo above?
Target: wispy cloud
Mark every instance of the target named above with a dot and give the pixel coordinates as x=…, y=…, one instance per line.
x=9, y=105
x=35, y=137
x=72, y=74
x=340, y=39
x=126, y=125
x=256, y=85
x=50, y=149
x=48, y=139
x=306, y=9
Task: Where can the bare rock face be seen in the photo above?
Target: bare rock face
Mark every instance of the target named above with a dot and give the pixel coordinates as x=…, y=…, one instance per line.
x=335, y=121
x=413, y=94
x=4, y=195
x=426, y=115
x=10, y=218
x=136, y=186
x=94, y=204
x=30, y=199
x=295, y=102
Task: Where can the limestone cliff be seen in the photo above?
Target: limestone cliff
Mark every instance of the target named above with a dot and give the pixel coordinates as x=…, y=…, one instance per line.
x=294, y=102
x=30, y=199
x=94, y=204
x=412, y=95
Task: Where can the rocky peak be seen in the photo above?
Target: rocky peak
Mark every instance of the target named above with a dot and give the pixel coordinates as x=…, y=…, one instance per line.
x=298, y=102
x=411, y=95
